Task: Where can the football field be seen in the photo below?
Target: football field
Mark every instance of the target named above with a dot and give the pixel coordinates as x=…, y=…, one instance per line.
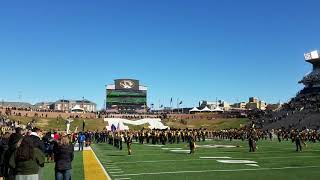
x=212, y=160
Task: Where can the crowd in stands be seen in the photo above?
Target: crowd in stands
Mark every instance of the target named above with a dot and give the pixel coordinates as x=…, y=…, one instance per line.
x=294, y=113
x=312, y=78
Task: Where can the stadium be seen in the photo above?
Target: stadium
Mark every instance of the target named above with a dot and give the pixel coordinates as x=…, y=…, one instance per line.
x=126, y=143
x=159, y=90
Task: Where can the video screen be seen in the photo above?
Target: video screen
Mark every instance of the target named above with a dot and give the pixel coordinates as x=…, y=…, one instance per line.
x=118, y=97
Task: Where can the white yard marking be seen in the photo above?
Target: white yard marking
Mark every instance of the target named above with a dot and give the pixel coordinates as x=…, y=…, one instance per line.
x=115, y=169
x=224, y=157
x=253, y=165
x=116, y=172
x=171, y=148
x=150, y=145
x=216, y=146
x=112, y=166
x=237, y=161
x=122, y=178
x=218, y=170
x=181, y=151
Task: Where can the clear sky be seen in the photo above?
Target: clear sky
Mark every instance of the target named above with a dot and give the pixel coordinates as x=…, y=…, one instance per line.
x=186, y=49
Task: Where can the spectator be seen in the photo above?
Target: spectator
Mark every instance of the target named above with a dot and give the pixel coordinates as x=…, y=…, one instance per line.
x=56, y=136
x=63, y=156
x=26, y=160
x=13, y=144
x=48, y=145
x=81, y=140
x=37, y=143
x=3, y=149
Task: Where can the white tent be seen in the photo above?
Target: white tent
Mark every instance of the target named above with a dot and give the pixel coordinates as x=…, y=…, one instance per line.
x=206, y=109
x=77, y=108
x=217, y=109
x=195, y=109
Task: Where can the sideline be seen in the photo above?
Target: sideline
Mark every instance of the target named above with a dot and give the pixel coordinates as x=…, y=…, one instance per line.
x=93, y=169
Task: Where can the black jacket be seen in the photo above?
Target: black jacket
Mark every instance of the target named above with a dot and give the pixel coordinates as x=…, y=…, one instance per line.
x=12, y=146
x=63, y=156
x=37, y=143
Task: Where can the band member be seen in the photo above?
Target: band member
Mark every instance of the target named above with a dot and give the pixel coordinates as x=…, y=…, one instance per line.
x=298, y=142
x=129, y=142
x=252, y=143
x=192, y=143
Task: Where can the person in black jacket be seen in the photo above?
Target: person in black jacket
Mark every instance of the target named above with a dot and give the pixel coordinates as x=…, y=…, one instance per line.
x=14, y=141
x=38, y=143
x=3, y=148
x=63, y=157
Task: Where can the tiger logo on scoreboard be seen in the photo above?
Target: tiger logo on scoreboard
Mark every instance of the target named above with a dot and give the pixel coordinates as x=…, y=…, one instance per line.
x=127, y=84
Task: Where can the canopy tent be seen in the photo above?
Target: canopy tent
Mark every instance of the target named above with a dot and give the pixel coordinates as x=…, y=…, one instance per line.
x=217, y=109
x=77, y=108
x=195, y=109
x=206, y=109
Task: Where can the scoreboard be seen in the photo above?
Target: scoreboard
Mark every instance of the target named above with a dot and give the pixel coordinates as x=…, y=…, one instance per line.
x=126, y=94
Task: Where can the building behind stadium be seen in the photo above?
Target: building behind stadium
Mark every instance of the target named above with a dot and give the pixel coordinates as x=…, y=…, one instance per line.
x=61, y=105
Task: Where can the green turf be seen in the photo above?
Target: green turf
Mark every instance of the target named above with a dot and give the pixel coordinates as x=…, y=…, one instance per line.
x=60, y=123
x=216, y=124
x=276, y=161
x=77, y=168
x=98, y=124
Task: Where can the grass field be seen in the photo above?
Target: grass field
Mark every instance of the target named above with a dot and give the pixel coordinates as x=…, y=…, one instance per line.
x=216, y=124
x=274, y=160
x=60, y=124
x=94, y=124
x=77, y=168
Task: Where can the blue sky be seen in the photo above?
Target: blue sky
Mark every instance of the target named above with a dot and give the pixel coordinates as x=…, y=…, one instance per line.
x=186, y=49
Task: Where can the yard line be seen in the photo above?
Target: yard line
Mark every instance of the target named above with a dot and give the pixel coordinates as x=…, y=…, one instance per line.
x=217, y=170
x=122, y=178
x=117, y=172
x=115, y=169
x=207, y=159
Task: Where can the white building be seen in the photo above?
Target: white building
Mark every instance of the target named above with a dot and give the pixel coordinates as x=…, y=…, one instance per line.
x=67, y=105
